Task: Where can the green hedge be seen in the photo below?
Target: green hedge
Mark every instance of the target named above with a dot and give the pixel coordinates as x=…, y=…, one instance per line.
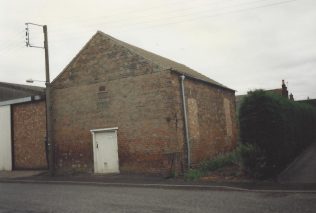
x=277, y=130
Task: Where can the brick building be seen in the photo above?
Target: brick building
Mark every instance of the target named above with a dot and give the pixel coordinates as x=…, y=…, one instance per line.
x=119, y=108
x=10, y=91
x=283, y=91
x=308, y=101
x=22, y=127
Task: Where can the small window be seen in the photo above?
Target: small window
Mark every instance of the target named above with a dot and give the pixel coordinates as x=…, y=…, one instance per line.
x=101, y=88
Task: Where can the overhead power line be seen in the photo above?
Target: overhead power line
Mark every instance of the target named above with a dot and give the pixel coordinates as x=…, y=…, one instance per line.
x=171, y=22
x=167, y=20
x=166, y=15
x=139, y=13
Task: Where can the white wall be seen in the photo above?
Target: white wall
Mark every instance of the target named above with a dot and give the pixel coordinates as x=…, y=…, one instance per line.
x=5, y=138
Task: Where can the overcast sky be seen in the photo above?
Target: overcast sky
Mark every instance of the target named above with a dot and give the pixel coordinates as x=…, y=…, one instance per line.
x=243, y=44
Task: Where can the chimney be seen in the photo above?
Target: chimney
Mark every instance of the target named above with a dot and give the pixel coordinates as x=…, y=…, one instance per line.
x=291, y=97
x=285, y=93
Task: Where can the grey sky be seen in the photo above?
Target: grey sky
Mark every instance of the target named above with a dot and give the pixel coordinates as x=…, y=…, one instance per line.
x=243, y=44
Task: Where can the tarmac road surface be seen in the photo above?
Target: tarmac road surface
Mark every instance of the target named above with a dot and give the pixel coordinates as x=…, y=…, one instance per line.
x=303, y=169
x=40, y=198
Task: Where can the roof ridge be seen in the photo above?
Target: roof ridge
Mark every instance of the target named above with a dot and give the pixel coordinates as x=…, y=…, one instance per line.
x=131, y=47
x=23, y=87
x=164, y=62
x=127, y=45
x=156, y=59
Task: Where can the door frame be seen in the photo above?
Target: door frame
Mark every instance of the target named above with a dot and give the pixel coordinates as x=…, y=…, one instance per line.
x=93, y=132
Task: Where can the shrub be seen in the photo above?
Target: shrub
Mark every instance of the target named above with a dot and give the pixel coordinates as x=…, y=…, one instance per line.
x=220, y=161
x=216, y=163
x=277, y=128
x=193, y=174
x=253, y=160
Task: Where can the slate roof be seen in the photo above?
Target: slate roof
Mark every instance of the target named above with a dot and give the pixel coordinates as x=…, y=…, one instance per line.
x=165, y=62
x=158, y=60
x=10, y=91
x=308, y=101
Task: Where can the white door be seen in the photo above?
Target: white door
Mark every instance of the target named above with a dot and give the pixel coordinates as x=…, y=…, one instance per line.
x=105, y=151
x=5, y=138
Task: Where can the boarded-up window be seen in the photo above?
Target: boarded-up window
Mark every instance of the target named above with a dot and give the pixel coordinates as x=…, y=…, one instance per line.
x=193, y=119
x=229, y=124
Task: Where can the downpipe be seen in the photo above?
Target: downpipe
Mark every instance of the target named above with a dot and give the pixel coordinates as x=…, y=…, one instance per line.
x=185, y=115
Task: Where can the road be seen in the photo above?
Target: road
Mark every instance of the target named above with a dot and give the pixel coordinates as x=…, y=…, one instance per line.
x=40, y=198
x=303, y=169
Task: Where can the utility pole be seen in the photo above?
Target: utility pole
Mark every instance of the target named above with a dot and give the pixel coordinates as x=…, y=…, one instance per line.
x=49, y=141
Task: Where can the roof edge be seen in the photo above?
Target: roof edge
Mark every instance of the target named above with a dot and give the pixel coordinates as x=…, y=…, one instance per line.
x=75, y=57
x=207, y=82
x=128, y=47
x=22, y=100
x=24, y=87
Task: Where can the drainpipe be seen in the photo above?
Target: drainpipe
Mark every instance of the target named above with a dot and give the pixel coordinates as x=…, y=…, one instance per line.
x=186, y=129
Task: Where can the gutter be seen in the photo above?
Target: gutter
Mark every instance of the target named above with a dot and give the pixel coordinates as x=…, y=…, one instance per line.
x=185, y=115
x=201, y=80
x=21, y=100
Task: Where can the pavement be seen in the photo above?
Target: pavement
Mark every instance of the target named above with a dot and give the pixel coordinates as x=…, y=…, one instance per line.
x=20, y=174
x=302, y=169
x=127, y=180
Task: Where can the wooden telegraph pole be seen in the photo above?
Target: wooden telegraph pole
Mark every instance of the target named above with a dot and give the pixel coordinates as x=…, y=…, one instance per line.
x=49, y=141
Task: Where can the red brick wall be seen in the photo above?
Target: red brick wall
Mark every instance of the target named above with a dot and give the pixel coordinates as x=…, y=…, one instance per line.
x=212, y=129
x=29, y=130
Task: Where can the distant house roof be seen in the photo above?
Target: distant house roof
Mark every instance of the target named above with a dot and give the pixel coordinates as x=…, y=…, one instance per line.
x=308, y=101
x=275, y=91
x=9, y=91
x=240, y=98
x=279, y=91
x=161, y=61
